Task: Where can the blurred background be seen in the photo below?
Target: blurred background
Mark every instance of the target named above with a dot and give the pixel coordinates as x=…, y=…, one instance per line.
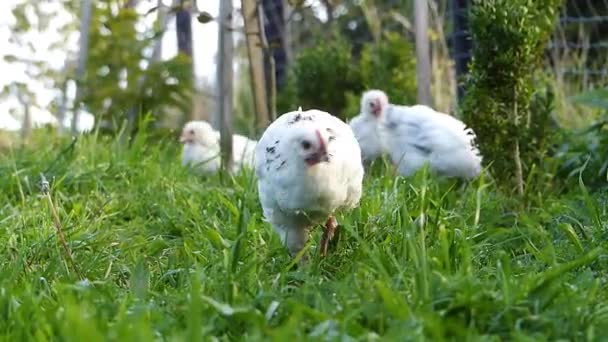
x=162, y=58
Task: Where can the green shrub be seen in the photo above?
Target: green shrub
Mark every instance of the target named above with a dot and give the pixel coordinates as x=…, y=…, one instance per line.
x=287, y=98
x=327, y=76
x=391, y=66
x=321, y=76
x=509, y=36
x=115, y=81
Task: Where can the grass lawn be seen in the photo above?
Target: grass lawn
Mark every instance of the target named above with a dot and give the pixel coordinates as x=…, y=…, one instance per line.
x=162, y=254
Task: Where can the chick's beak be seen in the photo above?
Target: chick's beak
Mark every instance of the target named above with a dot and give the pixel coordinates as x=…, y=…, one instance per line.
x=321, y=154
x=184, y=138
x=316, y=158
x=377, y=108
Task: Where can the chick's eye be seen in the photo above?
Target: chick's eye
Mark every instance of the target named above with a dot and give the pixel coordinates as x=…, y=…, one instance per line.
x=191, y=131
x=306, y=144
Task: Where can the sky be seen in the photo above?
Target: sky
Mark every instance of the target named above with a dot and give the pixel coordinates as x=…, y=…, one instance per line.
x=205, y=48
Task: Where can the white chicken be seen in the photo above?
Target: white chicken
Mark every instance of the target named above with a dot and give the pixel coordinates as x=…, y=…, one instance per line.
x=308, y=165
x=85, y=121
x=202, y=148
x=367, y=125
x=41, y=117
x=8, y=122
x=416, y=135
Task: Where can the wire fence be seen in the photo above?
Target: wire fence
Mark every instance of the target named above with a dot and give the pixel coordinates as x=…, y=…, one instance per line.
x=577, y=53
x=578, y=50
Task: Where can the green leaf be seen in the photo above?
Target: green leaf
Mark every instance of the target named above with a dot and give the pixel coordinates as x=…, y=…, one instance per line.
x=10, y=58
x=223, y=308
x=572, y=236
x=204, y=17
x=216, y=239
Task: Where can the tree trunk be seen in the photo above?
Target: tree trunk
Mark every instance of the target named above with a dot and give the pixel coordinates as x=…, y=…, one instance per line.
x=256, y=61
x=162, y=20
x=26, y=128
x=85, y=28
x=329, y=11
x=423, y=55
x=224, y=78
x=275, y=31
x=133, y=113
x=519, y=173
x=183, y=28
x=269, y=69
x=63, y=105
x=157, y=52
x=462, y=43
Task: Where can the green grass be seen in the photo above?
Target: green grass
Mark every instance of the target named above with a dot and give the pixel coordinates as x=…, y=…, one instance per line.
x=168, y=255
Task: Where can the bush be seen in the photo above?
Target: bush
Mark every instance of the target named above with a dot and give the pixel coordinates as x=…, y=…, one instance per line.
x=509, y=36
x=391, y=66
x=115, y=81
x=326, y=77
x=321, y=77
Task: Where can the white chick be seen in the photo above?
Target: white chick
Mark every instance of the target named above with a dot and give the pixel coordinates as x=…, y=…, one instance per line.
x=416, y=135
x=308, y=165
x=202, y=148
x=367, y=125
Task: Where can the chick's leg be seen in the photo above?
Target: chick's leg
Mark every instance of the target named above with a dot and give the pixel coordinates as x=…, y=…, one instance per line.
x=295, y=240
x=330, y=229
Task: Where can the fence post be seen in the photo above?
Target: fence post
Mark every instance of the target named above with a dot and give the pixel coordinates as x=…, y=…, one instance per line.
x=224, y=81
x=157, y=51
x=183, y=30
x=26, y=126
x=462, y=42
x=423, y=57
x=253, y=37
x=83, y=54
x=274, y=29
x=63, y=104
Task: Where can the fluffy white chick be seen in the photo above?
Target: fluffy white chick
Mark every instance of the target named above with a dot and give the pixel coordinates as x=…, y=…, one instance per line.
x=308, y=165
x=416, y=135
x=367, y=125
x=202, y=148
